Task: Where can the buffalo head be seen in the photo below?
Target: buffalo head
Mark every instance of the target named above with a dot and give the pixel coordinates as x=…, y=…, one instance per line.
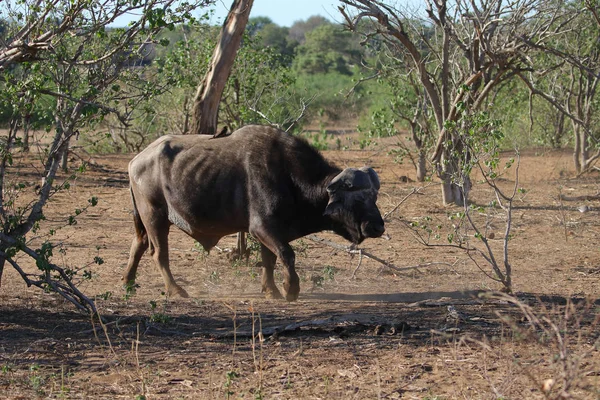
x=352, y=204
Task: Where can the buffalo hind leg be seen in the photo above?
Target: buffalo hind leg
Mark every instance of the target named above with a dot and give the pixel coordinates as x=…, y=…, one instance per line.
x=158, y=235
x=161, y=258
x=268, y=282
x=138, y=246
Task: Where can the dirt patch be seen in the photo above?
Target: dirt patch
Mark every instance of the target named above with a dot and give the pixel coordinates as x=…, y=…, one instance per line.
x=359, y=330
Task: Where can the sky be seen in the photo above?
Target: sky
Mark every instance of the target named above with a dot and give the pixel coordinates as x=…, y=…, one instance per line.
x=283, y=12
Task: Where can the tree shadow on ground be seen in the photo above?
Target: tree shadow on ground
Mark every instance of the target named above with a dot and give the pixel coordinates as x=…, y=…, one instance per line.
x=57, y=334
x=406, y=297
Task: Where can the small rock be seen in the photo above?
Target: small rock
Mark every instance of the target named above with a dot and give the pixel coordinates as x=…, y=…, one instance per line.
x=547, y=385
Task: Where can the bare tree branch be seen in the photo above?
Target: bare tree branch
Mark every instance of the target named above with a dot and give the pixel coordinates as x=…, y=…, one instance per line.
x=68, y=290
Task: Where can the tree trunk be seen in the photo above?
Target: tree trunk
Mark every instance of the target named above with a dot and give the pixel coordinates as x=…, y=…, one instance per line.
x=205, y=111
x=455, y=184
x=2, y=262
x=581, y=151
x=585, y=154
x=421, y=166
x=453, y=194
x=26, y=133
x=186, y=116
x=208, y=95
x=64, y=163
x=576, y=149
x=559, y=130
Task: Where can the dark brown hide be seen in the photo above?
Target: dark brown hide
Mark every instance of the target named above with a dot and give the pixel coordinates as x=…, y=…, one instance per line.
x=259, y=180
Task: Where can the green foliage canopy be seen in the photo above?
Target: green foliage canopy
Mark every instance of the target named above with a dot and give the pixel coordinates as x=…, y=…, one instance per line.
x=327, y=48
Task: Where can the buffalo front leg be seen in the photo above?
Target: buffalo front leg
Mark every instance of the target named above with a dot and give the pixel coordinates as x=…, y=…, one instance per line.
x=268, y=282
x=291, y=280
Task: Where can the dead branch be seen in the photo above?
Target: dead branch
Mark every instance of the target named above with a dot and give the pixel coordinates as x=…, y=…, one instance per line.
x=360, y=81
x=447, y=301
x=358, y=265
x=61, y=284
x=352, y=249
x=580, y=198
x=305, y=105
x=413, y=191
x=263, y=116
x=345, y=320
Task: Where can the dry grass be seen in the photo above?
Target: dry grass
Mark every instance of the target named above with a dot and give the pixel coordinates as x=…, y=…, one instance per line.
x=356, y=333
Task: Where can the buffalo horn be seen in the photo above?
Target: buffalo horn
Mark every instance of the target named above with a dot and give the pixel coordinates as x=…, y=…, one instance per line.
x=373, y=176
x=354, y=179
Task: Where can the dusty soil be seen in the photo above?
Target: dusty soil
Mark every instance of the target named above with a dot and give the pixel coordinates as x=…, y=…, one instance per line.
x=360, y=330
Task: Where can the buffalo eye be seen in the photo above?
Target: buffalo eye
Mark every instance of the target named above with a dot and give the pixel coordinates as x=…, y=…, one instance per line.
x=333, y=208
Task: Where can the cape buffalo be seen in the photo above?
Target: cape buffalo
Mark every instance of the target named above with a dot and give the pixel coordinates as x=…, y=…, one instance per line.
x=259, y=180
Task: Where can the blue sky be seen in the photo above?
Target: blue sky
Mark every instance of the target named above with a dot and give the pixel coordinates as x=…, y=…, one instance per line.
x=284, y=12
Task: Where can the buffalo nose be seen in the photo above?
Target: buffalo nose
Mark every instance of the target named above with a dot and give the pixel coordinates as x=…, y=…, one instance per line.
x=378, y=229
x=374, y=229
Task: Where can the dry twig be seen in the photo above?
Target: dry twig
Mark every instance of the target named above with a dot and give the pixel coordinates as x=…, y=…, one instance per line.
x=352, y=249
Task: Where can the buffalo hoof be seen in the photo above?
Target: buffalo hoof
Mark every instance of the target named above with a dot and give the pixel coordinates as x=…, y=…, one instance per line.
x=129, y=285
x=178, y=291
x=291, y=291
x=291, y=296
x=273, y=295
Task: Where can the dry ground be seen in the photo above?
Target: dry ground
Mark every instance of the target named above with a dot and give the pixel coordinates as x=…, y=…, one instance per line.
x=360, y=330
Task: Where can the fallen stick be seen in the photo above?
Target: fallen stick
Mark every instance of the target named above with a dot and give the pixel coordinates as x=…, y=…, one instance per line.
x=580, y=198
x=331, y=322
x=358, y=265
x=445, y=301
x=361, y=252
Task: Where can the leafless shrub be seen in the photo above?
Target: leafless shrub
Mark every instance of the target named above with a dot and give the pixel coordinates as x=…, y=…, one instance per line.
x=570, y=332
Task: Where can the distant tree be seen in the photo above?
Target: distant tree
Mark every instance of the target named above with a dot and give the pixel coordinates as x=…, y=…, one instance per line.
x=277, y=37
x=327, y=48
x=567, y=76
x=475, y=47
x=260, y=89
x=178, y=66
x=257, y=24
x=3, y=28
x=299, y=29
